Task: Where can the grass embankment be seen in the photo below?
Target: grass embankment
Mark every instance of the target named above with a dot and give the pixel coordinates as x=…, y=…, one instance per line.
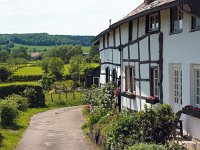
x=12, y=135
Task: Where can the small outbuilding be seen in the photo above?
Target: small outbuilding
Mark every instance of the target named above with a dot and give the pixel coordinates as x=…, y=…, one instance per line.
x=92, y=77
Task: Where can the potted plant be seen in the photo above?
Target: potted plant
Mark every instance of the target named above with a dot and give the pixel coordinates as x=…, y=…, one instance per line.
x=152, y=100
x=192, y=111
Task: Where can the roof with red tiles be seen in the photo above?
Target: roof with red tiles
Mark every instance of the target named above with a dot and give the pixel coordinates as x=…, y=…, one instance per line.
x=144, y=6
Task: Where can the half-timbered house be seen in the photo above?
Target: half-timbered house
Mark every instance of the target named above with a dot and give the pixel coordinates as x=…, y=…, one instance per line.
x=155, y=51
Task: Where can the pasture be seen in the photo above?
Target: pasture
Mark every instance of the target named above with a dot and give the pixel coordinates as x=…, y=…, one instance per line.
x=44, y=48
x=37, y=70
x=31, y=70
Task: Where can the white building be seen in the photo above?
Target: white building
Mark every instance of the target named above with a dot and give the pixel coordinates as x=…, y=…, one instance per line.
x=155, y=51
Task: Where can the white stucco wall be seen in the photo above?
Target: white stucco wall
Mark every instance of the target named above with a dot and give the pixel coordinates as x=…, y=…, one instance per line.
x=182, y=48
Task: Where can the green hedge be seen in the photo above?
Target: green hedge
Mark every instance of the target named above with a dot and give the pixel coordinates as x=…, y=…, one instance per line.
x=32, y=77
x=7, y=90
x=25, y=78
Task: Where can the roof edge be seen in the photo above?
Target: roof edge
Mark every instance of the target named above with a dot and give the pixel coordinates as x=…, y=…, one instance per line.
x=149, y=11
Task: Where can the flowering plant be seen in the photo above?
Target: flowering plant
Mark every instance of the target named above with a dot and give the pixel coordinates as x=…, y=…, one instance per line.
x=190, y=107
x=153, y=98
x=87, y=106
x=117, y=91
x=192, y=111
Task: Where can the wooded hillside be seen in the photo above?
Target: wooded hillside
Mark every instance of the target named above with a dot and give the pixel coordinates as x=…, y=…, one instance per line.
x=45, y=39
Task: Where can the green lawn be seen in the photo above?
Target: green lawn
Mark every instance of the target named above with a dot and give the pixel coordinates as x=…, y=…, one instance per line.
x=19, y=82
x=36, y=70
x=86, y=49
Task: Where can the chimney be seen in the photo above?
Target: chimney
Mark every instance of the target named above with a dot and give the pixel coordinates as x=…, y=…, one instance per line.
x=148, y=1
x=110, y=22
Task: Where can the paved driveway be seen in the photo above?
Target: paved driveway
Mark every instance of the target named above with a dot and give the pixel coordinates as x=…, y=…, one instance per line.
x=58, y=129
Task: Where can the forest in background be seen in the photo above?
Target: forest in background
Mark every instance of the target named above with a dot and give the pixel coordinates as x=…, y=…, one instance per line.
x=44, y=39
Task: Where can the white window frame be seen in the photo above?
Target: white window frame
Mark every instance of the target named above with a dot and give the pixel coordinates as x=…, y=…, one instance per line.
x=175, y=87
x=194, y=85
x=177, y=74
x=128, y=80
x=177, y=24
x=156, y=82
x=154, y=22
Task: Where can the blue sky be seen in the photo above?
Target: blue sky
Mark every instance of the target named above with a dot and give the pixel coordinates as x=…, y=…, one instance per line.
x=72, y=17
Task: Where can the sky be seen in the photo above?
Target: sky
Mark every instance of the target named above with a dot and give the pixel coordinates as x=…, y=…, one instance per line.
x=70, y=17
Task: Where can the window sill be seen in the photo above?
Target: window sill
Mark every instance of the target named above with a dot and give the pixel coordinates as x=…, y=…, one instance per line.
x=153, y=31
x=176, y=32
x=128, y=95
x=148, y=100
x=191, y=112
x=194, y=30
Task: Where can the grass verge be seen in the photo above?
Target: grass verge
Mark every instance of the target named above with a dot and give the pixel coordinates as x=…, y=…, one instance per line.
x=12, y=135
x=86, y=129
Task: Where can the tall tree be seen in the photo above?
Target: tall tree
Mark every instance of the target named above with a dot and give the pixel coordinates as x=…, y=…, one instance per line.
x=4, y=55
x=56, y=65
x=77, y=64
x=20, y=52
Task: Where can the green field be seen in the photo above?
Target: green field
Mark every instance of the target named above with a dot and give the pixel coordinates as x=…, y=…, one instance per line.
x=43, y=48
x=32, y=47
x=36, y=70
x=86, y=49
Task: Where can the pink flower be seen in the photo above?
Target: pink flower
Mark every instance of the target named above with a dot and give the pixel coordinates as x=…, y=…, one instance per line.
x=87, y=106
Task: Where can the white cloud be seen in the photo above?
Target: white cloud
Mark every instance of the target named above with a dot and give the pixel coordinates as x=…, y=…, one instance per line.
x=80, y=17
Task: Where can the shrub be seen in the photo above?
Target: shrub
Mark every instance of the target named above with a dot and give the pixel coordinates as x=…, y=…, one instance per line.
x=100, y=97
x=157, y=125
x=30, y=94
x=7, y=90
x=147, y=146
x=124, y=132
x=9, y=113
x=98, y=113
x=4, y=74
x=22, y=102
x=144, y=146
x=25, y=78
x=47, y=80
x=148, y=126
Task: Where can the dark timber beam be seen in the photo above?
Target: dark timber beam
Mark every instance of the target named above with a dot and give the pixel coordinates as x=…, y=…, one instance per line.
x=161, y=66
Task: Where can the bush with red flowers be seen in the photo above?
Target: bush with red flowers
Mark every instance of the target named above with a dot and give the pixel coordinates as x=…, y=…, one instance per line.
x=87, y=106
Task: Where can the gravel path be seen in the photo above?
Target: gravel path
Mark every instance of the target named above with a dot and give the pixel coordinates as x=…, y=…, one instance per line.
x=58, y=129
